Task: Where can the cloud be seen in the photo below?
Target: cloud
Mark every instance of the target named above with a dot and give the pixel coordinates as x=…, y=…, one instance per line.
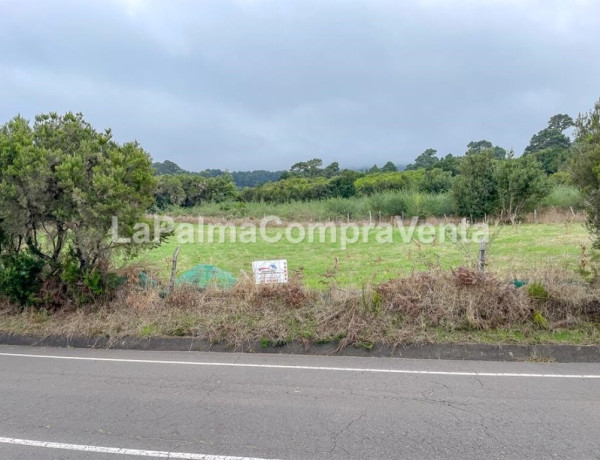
x=245, y=84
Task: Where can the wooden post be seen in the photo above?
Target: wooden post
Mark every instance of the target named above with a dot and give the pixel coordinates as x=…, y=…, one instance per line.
x=370, y=217
x=481, y=261
x=173, y=270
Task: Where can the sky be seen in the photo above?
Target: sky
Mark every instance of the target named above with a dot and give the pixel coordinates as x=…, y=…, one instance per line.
x=263, y=84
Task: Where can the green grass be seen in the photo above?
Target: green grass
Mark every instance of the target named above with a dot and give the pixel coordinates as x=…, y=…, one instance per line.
x=513, y=252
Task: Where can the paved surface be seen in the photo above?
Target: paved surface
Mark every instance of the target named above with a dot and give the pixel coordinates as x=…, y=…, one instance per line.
x=292, y=407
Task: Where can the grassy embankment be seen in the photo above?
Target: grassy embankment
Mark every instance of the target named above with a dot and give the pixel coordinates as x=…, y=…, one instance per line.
x=380, y=293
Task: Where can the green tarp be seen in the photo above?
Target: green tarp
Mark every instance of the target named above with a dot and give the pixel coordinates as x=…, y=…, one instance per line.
x=204, y=276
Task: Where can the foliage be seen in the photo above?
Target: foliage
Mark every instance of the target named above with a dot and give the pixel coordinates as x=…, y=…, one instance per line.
x=537, y=291
x=498, y=153
x=450, y=163
x=241, y=178
x=167, y=167
x=475, y=190
x=436, y=180
x=342, y=185
x=61, y=185
x=426, y=160
x=375, y=183
x=550, y=146
x=20, y=277
x=192, y=189
x=585, y=166
x=563, y=196
x=389, y=167
x=521, y=186
x=169, y=191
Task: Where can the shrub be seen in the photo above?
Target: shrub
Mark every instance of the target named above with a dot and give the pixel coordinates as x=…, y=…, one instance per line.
x=20, y=277
x=63, y=185
x=537, y=291
x=564, y=196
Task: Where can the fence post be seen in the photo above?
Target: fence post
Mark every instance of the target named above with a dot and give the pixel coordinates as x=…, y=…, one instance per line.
x=481, y=260
x=173, y=270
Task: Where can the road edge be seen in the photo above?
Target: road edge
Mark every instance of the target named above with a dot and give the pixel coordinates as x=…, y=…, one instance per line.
x=470, y=351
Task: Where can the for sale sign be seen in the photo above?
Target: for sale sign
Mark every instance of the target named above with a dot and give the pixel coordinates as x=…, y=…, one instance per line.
x=270, y=271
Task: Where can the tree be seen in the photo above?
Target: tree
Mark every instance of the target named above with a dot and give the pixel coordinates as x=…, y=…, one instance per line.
x=170, y=191
x=560, y=122
x=168, y=167
x=450, y=163
x=436, y=180
x=373, y=170
x=253, y=178
x=521, y=186
x=585, y=166
x=474, y=190
x=550, y=146
x=332, y=170
x=342, y=185
x=310, y=168
x=425, y=160
x=61, y=185
x=389, y=167
x=479, y=146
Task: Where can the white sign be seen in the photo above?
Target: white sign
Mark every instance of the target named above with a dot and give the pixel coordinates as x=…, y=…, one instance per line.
x=270, y=271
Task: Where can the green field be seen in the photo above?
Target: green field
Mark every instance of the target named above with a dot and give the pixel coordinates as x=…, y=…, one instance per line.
x=512, y=252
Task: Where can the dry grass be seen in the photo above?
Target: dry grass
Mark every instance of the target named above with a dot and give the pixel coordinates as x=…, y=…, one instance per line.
x=424, y=307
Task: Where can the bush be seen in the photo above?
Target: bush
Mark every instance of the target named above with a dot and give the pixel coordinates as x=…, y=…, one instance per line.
x=63, y=187
x=20, y=277
x=537, y=291
x=564, y=196
x=475, y=190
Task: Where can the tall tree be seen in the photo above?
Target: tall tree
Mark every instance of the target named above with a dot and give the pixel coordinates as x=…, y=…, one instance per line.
x=426, y=160
x=585, y=166
x=550, y=146
x=332, y=170
x=389, y=167
x=479, y=146
x=310, y=168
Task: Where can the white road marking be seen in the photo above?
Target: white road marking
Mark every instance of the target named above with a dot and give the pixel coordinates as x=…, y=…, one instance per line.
x=119, y=451
x=311, y=368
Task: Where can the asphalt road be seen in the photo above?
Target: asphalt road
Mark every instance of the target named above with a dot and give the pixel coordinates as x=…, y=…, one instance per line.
x=214, y=405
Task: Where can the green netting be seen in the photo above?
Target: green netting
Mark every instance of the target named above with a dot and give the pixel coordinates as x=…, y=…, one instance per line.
x=207, y=275
x=147, y=282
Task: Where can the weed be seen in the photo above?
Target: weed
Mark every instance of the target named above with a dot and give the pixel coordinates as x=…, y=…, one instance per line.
x=538, y=292
x=539, y=320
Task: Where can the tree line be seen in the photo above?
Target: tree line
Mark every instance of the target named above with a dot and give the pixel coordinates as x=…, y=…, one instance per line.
x=486, y=180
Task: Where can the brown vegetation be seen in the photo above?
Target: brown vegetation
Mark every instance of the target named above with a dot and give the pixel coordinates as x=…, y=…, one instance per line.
x=419, y=308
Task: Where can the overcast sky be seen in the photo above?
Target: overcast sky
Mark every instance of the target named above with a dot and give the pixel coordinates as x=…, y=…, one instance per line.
x=262, y=84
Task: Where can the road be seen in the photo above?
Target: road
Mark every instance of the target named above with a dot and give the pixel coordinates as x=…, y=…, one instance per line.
x=91, y=403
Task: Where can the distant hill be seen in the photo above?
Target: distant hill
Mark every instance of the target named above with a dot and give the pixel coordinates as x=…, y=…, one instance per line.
x=241, y=178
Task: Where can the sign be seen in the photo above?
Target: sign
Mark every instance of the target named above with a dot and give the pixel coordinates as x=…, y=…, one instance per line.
x=270, y=271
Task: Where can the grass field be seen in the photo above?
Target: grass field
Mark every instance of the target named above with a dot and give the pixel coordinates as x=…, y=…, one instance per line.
x=519, y=252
